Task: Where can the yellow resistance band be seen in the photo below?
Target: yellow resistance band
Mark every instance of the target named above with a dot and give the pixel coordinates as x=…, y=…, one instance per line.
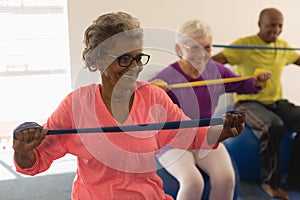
x=257, y=72
x=209, y=82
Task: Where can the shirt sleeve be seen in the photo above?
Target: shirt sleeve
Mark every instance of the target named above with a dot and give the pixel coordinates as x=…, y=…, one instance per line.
x=292, y=56
x=234, y=56
x=52, y=147
x=240, y=87
x=183, y=138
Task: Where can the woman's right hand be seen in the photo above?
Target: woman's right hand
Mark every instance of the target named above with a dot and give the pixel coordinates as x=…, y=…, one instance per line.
x=161, y=83
x=261, y=79
x=28, y=139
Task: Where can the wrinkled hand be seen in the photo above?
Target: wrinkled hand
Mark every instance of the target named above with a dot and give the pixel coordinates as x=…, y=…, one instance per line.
x=262, y=78
x=161, y=83
x=234, y=124
x=28, y=139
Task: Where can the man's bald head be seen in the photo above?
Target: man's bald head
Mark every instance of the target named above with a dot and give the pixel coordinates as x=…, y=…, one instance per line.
x=268, y=12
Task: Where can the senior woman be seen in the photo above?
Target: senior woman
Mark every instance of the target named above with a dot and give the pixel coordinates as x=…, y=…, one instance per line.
x=193, y=46
x=114, y=165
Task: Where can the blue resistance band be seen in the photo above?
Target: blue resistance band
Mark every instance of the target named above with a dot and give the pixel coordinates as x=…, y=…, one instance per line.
x=130, y=128
x=143, y=127
x=127, y=128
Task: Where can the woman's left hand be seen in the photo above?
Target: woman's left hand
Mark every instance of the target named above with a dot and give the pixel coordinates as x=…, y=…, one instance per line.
x=234, y=124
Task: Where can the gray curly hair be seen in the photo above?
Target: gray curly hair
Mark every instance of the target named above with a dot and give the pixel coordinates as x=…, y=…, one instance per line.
x=100, y=32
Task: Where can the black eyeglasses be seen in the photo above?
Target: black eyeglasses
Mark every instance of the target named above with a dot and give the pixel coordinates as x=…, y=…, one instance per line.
x=126, y=60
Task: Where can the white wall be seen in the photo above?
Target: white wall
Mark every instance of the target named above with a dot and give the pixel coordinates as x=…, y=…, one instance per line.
x=229, y=20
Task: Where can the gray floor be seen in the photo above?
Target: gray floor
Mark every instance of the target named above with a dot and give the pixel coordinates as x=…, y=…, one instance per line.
x=38, y=188
x=251, y=191
x=59, y=186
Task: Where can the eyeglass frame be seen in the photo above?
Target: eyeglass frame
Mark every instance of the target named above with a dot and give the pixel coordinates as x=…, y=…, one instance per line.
x=132, y=58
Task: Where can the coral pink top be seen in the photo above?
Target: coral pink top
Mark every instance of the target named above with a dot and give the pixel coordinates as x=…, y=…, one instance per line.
x=115, y=165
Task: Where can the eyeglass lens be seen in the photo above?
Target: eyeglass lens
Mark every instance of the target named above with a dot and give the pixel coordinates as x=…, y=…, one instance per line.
x=126, y=60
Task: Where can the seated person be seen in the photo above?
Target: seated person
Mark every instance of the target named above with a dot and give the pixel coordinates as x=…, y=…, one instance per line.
x=194, y=48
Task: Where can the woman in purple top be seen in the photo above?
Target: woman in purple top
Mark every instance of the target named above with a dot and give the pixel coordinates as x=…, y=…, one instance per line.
x=205, y=97
x=194, y=48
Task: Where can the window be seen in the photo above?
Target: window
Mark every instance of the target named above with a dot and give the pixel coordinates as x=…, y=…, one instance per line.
x=34, y=70
x=33, y=37
x=34, y=60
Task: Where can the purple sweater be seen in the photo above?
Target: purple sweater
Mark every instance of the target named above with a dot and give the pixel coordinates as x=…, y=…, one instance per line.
x=201, y=102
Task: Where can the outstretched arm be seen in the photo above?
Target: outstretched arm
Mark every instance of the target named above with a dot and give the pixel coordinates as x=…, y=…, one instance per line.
x=297, y=62
x=234, y=124
x=220, y=57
